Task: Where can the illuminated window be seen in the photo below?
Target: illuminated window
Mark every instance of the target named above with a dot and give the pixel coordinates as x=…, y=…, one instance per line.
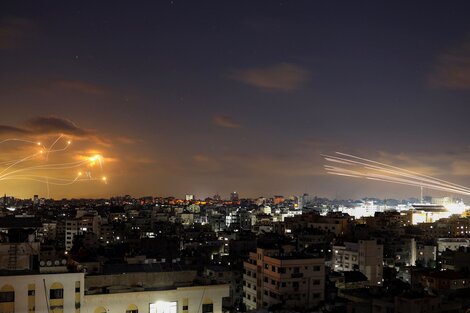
x=163, y=307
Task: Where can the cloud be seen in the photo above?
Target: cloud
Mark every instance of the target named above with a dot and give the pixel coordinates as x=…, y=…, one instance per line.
x=11, y=131
x=127, y=140
x=13, y=31
x=225, y=121
x=461, y=168
x=41, y=126
x=279, y=77
x=452, y=69
x=52, y=125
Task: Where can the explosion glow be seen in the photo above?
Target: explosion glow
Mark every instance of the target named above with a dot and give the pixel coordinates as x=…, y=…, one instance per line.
x=37, y=168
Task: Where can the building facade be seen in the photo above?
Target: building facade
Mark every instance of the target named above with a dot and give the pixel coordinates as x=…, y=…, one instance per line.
x=365, y=256
x=283, y=278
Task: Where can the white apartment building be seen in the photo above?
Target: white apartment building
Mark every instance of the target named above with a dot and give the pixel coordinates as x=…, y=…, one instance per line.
x=365, y=256
x=65, y=292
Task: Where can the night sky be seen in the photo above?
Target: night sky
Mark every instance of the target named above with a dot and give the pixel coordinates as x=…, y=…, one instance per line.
x=206, y=97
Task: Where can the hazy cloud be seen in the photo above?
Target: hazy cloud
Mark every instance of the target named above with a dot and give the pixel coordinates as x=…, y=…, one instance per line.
x=279, y=77
x=127, y=140
x=225, y=121
x=452, y=69
x=51, y=125
x=13, y=30
x=6, y=130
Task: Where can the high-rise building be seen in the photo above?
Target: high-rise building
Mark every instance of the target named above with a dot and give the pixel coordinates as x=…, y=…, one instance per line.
x=365, y=256
x=234, y=196
x=78, y=226
x=282, y=276
x=35, y=199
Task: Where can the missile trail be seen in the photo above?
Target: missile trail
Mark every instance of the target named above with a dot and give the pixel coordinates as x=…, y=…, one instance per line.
x=356, y=167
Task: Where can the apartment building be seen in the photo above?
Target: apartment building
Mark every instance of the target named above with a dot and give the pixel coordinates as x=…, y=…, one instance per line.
x=280, y=276
x=365, y=256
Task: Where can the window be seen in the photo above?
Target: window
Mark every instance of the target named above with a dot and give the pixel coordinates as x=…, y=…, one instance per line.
x=7, y=296
x=56, y=293
x=316, y=295
x=266, y=266
x=281, y=270
x=207, y=308
x=273, y=268
x=77, y=297
x=185, y=307
x=316, y=282
x=317, y=268
x=31, y=298
x=132, y=309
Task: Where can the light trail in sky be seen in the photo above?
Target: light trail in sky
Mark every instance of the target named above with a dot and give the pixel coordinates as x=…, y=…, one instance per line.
x=36, y=167
x=356, y=167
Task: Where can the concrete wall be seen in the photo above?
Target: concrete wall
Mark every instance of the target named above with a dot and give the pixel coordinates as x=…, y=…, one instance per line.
x=196, y=296
x=42, y=284
x=146, y=279
x=117, y=302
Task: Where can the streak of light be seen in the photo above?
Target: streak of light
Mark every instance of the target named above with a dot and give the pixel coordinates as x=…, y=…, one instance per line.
x=373, y=170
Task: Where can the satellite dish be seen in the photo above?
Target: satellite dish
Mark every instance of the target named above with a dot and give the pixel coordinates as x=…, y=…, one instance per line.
x=42, y=263
x=49, y=263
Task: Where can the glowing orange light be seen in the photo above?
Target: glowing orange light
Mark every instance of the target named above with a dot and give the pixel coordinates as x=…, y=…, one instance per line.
x=95, y=158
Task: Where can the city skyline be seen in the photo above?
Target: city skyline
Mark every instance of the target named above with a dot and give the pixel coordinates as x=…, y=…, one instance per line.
x=184, y=98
